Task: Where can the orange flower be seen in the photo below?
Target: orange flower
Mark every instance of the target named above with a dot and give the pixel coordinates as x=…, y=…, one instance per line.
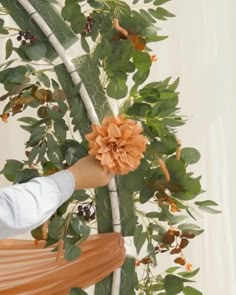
x=4, y=117
x=117, y=144
x=138, y=42
x=188, y=267
x=153, y=58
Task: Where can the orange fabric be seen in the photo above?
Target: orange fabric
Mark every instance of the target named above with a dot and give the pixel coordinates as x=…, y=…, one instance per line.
x=32, y=270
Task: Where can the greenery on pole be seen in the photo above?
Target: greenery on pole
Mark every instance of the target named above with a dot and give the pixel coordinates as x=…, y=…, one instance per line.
x=116, y=38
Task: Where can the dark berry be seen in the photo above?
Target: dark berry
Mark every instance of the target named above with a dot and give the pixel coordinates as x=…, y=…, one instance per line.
x=21, y=33
x=86, y=209
x=23, y=42
x=92, y=216
x=80, y=213
x=18, y=38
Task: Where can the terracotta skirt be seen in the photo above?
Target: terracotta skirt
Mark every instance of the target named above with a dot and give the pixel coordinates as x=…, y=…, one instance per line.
x=29, y=269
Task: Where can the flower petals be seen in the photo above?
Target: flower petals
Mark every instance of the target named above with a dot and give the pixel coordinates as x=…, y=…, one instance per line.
x=117, y=144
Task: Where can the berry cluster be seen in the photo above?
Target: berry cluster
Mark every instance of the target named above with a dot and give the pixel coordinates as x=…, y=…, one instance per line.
x=25, y=37
x=89, y=25
x=87, y=211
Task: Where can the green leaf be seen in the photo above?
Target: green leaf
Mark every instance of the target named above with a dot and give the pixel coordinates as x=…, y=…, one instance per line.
x=85, y=44
x=70, y=10
x=174, y=86
x=1, y=22
x=54, y=227
x=78, y=23
x=139, y=109
x=172, y=269
x=209, y=210
x=60, y=129
x=42, y=151
x=72, y=252
x=129, y=280
x=191, y=228
x=177, y=219
x=206, y=203
x=142, y=61
x=11, y=168
x=79, y=227
x=152, y=215
x=35, y=51
x=191, y=291
x=176, y=169
x=147, y=16
x=27, y=120
x=8, y=48
x=3, y=31
x=192, y=188
x=189, y=274
x=103, y=49
x=145, y=195
x=164, y=12
x=190, y=155
x=80, y=195
x=117, y=89
x=130, y=223
x=134, y=181
x=151, y=253
x=173, y=284
x=160, y=2
x=155, y=38
x=26, y=175
x=77, y=291
x=139, y=238
x=55, y=114
x=167, y=95
x=54, y=151
x=44, y=78
x=156, y=14
x=33, y=153
x=55, y=84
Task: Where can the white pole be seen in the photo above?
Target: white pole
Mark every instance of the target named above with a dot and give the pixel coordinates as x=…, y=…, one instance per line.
x=91, y=114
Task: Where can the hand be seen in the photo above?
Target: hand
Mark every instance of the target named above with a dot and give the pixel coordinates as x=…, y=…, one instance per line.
x=88, y=173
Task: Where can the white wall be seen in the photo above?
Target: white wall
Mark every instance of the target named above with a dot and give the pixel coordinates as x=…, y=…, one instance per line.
x=200, y=51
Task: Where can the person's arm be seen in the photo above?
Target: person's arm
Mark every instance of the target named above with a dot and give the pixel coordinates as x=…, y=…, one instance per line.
x=25, y=206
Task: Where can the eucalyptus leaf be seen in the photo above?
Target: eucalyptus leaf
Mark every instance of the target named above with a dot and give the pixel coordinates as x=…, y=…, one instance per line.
x=35, y=51
x=191, y=291
x=71, y=251
x=160, y=2
x=190, y=155
x=173, y=284
x=77, y=291
x=206, y=203
x=9, y=48
x=11, y=168
x=85, y=44
x=142, y=61
x=189, y=274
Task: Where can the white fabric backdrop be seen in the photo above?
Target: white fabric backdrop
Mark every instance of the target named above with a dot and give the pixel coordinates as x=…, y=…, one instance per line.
x=200, y=51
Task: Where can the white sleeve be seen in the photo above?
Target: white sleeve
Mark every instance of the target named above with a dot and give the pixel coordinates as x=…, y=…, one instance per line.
x=25, y=206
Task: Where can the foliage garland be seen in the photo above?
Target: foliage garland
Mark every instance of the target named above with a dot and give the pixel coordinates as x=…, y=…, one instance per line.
x=115, y=37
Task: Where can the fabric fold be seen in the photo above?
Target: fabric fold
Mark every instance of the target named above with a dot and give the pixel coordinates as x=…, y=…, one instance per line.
x=29, y=269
